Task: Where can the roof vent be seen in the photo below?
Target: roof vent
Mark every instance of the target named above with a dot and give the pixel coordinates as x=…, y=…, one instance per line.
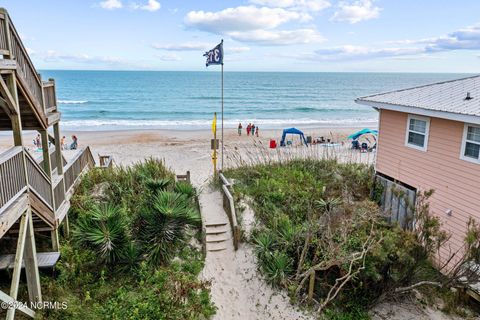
x=468, y=97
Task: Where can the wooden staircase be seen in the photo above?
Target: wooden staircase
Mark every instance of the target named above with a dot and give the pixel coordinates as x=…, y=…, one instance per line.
x=217, y=234
x=34, y=193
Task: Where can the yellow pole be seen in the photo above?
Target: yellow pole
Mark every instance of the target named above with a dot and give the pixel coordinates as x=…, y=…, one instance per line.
x=214, y=155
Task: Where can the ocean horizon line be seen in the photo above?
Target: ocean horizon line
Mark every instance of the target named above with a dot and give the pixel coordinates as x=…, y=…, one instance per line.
x=262, y=71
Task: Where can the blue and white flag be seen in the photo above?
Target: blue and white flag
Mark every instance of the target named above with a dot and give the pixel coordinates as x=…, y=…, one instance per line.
x=215, y=56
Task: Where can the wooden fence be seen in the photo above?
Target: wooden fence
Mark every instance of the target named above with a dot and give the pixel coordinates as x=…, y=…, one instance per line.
x=75, y=167
x=12, y=176
x=397, y=202
x=39, y=182
x=229, y=207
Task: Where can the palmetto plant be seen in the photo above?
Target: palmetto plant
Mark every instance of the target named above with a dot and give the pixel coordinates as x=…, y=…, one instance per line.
x=156, y=185
x=186, y=189
x=277, y=267
x=328, y=205
x=164, y=225
x=104, y=230
x=263, y=243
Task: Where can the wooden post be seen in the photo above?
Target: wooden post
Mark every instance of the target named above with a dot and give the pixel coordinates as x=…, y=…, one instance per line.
x=311, y=286
x=12, y=86
x=17, y=270
x=31, y=263
x=46, y=153
x=55, y=240
x=58, y=148
x=66, y=227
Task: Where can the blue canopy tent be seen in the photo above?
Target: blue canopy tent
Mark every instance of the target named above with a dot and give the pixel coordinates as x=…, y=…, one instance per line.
x=292, y=131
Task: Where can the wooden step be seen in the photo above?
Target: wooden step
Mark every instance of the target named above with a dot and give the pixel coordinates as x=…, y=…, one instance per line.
x=216, y=237
x=213, y=247
x=44, y=259
x=218, y=230
x=218, y=224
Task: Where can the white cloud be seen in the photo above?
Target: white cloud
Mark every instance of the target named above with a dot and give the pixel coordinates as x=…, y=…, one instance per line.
x=359, y=52
x=151, y=5
x=463, y=39
x=243, y=18
x=278, y=37
x=357, y=11
x=187, y=46
x=308, y=5
x=170, y=57
x=54, y=56
x=237, y=49
x=111, y=4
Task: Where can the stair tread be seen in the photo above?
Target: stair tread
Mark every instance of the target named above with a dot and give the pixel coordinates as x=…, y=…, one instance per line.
x=216, y=224
x=216, y=231
x=218, y=237
x=216, y=246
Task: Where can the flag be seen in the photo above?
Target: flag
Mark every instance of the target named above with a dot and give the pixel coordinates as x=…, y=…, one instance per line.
x=215, y=56
x=214, y=123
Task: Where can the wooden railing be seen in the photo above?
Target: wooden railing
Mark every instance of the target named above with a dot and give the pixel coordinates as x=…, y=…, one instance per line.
x=3, y=35
x=18, y=166
x=58, y=192
x=53, y=159
x=229, y=207
x=38, y=180
x=105, y=161
x=76, y=166
x=49, y=95
x=26, y=72
x=12, y=176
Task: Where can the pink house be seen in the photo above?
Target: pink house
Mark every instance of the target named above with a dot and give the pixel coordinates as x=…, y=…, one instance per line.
x=429, y=138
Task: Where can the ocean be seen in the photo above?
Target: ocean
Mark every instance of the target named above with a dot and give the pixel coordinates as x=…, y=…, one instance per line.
x=118, y=100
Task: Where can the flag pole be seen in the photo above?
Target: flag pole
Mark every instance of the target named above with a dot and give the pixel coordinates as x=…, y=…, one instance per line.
x=222, y=117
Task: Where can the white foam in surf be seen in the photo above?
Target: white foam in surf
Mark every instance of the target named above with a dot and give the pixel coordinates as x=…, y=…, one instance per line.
x=103, y=124
x=72, y=101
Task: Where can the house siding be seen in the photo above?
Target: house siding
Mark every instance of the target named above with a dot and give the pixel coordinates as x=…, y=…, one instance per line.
x=456, y=182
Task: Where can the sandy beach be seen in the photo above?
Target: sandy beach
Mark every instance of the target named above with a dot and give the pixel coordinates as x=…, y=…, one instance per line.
x=182, y=150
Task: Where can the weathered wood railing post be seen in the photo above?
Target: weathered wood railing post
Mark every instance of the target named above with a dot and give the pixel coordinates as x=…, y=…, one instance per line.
x=47, y=166
x=31, y=263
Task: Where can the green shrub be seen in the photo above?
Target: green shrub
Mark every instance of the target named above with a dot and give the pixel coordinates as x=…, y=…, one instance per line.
x=128, y=224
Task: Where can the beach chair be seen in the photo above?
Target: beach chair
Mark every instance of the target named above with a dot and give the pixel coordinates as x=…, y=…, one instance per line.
x=364, y=147
x=355, y=145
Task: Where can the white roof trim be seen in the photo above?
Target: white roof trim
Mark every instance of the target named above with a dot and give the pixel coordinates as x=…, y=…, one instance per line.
x=424, y=112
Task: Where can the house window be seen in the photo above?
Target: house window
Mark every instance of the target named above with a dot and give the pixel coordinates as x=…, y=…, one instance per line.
x=471, y=143
x=417, y=132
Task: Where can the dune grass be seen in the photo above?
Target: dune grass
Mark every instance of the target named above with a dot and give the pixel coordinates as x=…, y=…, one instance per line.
x=319, y=218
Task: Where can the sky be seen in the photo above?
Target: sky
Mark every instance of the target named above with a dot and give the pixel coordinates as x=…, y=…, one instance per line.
x=259, y=35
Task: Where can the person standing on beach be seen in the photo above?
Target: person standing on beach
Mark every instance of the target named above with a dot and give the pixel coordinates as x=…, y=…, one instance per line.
x=253, y=129
x=74, y=144
x=256, y=132
x=63, y=144
x=37, y=142
x=249, y=127
x=240, y=128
